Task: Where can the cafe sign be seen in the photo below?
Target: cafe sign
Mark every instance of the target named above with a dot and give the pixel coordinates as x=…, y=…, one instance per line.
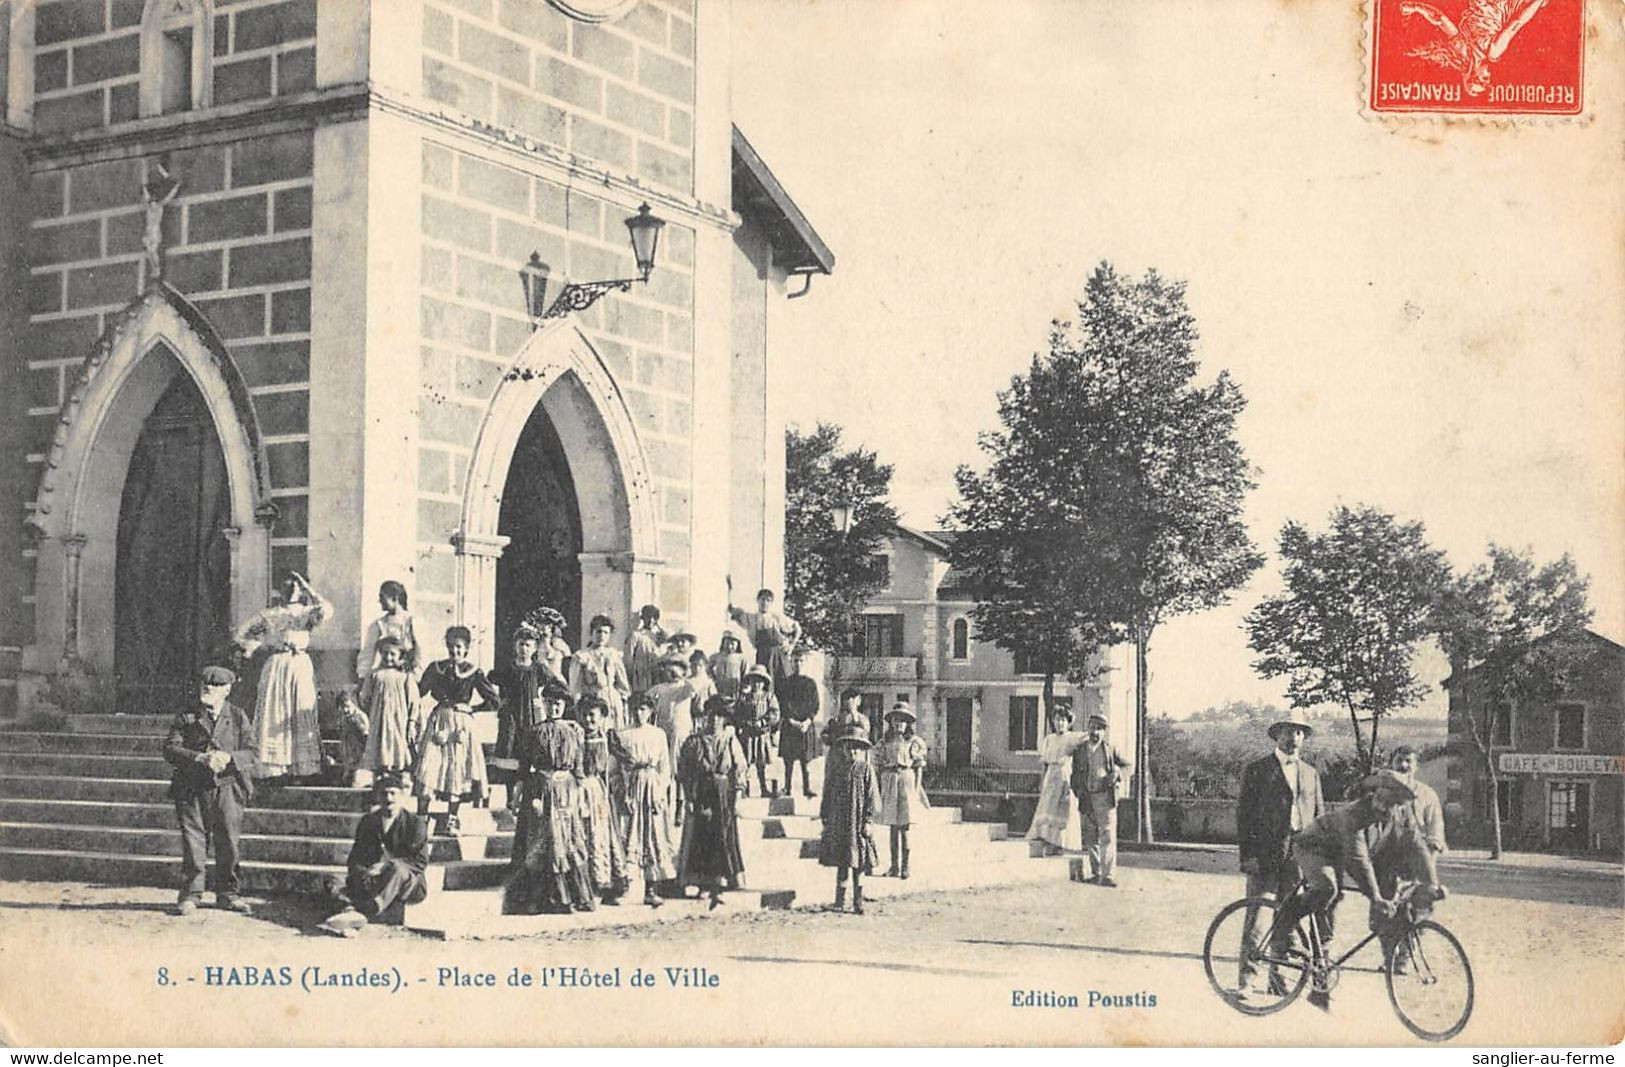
x=1560, y=763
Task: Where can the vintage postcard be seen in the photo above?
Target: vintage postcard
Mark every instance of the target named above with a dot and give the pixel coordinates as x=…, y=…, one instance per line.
x=834, y=522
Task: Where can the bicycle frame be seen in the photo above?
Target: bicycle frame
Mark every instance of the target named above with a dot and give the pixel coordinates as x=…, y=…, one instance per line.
x=1317, y=950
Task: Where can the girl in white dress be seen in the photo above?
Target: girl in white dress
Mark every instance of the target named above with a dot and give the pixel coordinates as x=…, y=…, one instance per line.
x=1055, y=820
x=288, y=733
x=395, y=622
x=599, y=671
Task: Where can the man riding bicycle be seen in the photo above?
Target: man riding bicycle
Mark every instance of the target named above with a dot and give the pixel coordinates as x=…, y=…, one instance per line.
x=1371, y=841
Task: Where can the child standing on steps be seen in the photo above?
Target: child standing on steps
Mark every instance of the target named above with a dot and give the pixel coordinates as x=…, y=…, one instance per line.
x=391, y=703
x=899, y=760
x=851, y=797
x=452, y=763
x=353, y=730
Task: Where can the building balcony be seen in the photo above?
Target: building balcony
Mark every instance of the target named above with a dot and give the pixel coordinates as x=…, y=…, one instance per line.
x=877, y=668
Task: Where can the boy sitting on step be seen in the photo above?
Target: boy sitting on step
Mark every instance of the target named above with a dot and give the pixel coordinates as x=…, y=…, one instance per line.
x=387, y=861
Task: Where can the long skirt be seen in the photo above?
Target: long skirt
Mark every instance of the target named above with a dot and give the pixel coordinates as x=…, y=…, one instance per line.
x=606, y=862
x=287, y=733
x=902, y=798
x=648, y=825
x=455, y=767
x=710, y=857
x=388, y=725
x=549, y=867
x=1056, y=819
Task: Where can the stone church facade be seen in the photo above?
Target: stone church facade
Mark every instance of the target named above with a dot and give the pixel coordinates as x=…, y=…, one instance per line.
x=261, y=310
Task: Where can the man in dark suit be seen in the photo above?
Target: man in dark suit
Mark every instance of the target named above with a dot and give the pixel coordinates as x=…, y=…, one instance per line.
x=1097, y=770
x=1280, y=794
x=211, y=747
x=387, y=861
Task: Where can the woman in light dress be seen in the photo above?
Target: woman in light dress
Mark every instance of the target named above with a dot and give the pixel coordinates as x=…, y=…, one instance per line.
x=1055, y=820
x=286, y=727
x=599, y=671
x=644, y=757
x=395, y=622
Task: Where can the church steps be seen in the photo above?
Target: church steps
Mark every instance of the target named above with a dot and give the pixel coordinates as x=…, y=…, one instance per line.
x=161, y=816
x=92, y=766
x=267, y=848
x=479, y=914
x=153, y=725
x=124, y=868
x=86, y=743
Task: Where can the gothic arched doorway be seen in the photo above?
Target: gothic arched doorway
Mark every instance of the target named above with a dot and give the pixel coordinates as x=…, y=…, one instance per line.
x=542, y=522
x=172, y=582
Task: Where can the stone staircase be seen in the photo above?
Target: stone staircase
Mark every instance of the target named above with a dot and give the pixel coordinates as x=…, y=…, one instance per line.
x=89, y=803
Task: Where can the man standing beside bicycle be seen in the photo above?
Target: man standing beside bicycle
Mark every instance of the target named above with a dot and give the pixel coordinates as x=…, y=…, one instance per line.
x=1280, y=794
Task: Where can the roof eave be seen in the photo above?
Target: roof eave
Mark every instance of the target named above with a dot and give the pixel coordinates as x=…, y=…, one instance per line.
x=796, y=245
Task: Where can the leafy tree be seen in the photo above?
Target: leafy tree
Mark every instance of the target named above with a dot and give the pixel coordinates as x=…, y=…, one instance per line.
x=1520, y=628
x=1113, y=498
x=829, y=575
x=1359, y=597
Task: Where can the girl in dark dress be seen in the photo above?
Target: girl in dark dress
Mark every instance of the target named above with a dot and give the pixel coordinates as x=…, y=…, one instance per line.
x=519, y=682
x=851, y=797
x=606, y=855
x=756, y=720
x=710, y=768
x=451, y=765
x=550, y=866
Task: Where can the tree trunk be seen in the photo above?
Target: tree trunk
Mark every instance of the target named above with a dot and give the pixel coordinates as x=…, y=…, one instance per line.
x=1371, y=760
x=1359, y=749
x=1049, y=699
x=1142, y=739
x=1495, y=781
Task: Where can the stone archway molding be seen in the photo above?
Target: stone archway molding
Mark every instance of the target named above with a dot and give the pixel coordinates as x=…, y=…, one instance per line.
x=75, y=523
x=559, y=369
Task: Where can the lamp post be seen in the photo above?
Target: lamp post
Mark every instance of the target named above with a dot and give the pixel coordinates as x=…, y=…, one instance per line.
x=643, y=229
x=841, y=512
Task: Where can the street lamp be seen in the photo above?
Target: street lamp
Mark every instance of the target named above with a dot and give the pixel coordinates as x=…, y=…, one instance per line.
x=840, y=513
x=643, y=228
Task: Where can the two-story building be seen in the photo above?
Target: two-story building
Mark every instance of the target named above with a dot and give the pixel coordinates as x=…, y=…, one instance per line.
x=1558, y=763
x=979, y=706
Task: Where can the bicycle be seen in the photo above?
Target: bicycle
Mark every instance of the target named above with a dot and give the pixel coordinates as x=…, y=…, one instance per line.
x=1429, y=979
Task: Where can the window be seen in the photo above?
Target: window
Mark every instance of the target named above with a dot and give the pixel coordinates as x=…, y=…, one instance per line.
x=961, y=639
x=1509, y=799
x=1501, y=734
x=881, y=635
x=1571, y=726
x=1028, y=662
x=1563, y=806
x=880, y=567
x=1023, y=724
x=873, y=706
x=176, y=38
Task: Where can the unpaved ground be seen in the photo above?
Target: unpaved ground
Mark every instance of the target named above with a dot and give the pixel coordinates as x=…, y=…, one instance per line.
x=1546, y=946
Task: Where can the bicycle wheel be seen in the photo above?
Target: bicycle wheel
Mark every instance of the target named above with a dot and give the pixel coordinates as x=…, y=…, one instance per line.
x=1430, y=982
x=1265, y=981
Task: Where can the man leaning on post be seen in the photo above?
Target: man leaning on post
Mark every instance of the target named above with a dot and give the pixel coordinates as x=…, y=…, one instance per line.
x=211, y=747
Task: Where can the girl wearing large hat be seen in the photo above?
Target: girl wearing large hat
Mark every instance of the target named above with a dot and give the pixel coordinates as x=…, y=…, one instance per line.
x=899, y=761
x=711, y=768
x=728, y=666
x=756, y=720
x=851, y=798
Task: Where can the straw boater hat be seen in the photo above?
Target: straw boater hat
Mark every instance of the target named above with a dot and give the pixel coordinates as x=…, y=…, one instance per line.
x=1295, y=717
x=901, y=710
x=854, y=733
x=1386, y=782
x=677, y=639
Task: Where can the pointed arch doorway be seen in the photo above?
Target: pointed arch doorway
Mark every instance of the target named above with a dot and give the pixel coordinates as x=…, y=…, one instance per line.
x=152, y=522
x=172, y=582
x=560, y=500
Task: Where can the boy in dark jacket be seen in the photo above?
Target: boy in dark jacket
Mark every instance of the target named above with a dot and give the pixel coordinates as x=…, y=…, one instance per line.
x=211, y=747
x=386, y=862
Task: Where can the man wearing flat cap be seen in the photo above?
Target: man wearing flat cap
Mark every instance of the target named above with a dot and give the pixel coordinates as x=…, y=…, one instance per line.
x=1097, y=774
x=212, y=750
x=387, y=860
x=1280, y=793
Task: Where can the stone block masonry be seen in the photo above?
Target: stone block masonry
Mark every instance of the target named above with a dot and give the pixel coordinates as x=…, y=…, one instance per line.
x=87, y=62
x=480, y=220
x=238, y=246
x=620, y=94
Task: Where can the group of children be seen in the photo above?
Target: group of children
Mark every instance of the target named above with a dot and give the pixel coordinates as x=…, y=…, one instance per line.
x=606, y=757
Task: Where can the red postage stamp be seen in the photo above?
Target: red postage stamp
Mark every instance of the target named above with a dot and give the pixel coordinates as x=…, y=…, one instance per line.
x=1477, y=57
